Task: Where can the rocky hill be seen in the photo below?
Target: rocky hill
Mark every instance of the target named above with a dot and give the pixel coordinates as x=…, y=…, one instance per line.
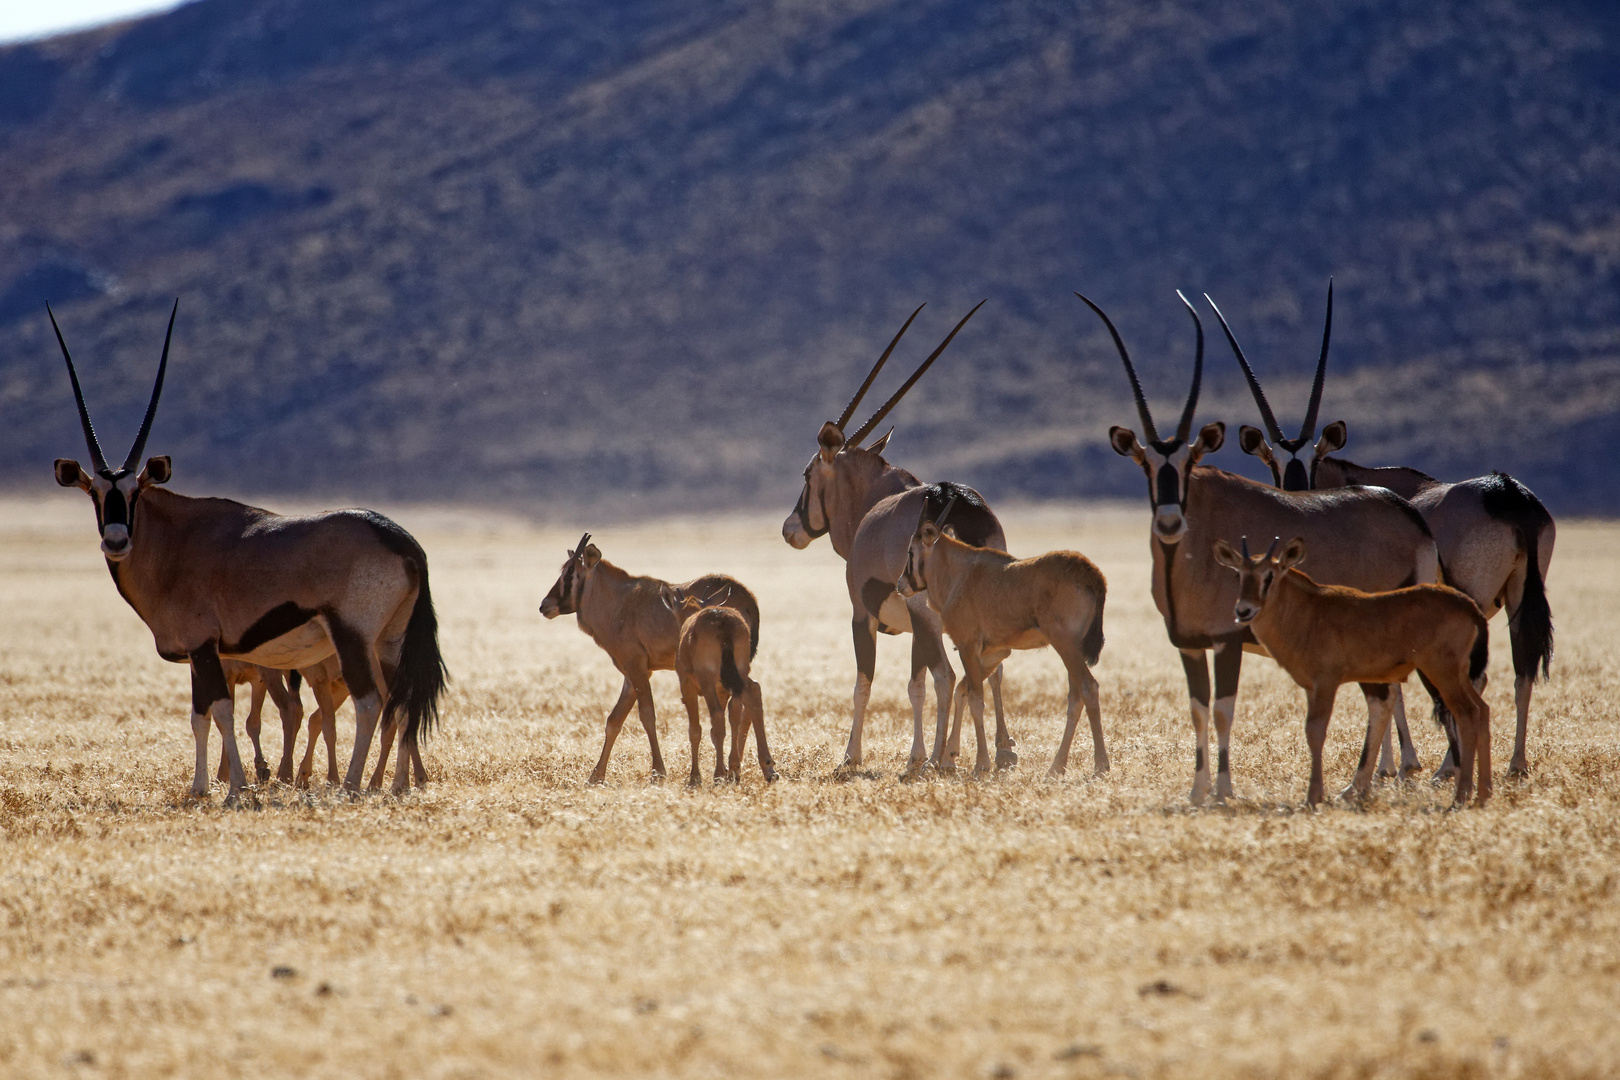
x=634, y=253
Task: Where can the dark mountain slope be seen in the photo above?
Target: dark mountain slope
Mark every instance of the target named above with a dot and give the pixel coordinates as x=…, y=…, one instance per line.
x=497, y=250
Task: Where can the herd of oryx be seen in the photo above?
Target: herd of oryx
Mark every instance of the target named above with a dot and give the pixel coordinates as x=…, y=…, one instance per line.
x=1368, y=575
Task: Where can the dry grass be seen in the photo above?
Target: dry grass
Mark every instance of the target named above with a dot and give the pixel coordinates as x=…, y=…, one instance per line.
x=512, y=921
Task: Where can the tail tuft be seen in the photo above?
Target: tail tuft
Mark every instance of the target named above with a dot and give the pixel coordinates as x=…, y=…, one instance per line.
x=1530, y=626
x=1091, y=646
x=421, y=676
x=730, y=677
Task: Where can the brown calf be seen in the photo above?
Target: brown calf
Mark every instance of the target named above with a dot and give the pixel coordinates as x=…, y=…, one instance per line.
x=712, y=661
x=1328, y=635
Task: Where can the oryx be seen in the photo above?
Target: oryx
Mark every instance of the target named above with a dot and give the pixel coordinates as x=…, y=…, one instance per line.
x=869, y=509
x=1365, y=537
x=1327, y=635
x=637, y=622
x=213, y=578
x=1495, y=537
x=992, y=604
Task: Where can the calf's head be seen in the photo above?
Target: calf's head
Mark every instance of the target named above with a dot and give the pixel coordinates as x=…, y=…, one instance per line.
x=1257, y=574
x=566, y=592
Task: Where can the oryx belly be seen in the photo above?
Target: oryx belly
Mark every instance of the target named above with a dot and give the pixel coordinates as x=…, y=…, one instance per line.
x=894, y=614
x=303, y=646
x=1029, y=639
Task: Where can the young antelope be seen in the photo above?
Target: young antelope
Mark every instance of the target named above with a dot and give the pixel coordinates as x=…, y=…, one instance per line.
x=712, y=661
x=1328, y=635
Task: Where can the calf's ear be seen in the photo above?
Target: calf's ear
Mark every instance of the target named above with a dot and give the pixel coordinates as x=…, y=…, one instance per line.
x=928, y=533
x=70, y=474
x=1227, y=555
x=1293, y=554
x=591, y=557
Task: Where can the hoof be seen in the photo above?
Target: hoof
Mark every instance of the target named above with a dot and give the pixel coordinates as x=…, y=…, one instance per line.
x=1006, y=758
x=263, y=773
x=1223, y=787
x=1200, y=792
x=1518, y=771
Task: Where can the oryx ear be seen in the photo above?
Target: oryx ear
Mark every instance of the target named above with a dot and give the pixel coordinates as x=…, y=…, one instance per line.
x=1334, y=436
x=157, y=471
x=1123, y=440
x=1293, y=554
x=1227, y=556
x=1251, y=440
x=830, y=439
x=928, y=533
x=590, y=557
x=1209, y=440
x=70, y=474
x=877, y=447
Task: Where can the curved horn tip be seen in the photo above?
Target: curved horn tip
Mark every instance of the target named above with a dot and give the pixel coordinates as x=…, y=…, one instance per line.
x=1272, y=550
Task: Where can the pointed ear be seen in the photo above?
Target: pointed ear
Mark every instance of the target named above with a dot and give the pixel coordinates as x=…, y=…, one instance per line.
x=1123, y=440
x=157, y=471
x=70, y=474
x=591, y=557
x=877, y=447
x=1293, y=554
x=1251, y=440
x=1334, y=436
x=1209, y=440
x=928, y=533
x=830, y=439
x=1228, y=556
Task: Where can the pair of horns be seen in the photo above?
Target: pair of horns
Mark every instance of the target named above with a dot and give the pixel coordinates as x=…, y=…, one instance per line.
x=97, y=458
x=580, y=550
x=1183, y=429
x=1275, y=540
x=877, y=417
x=939, y=522
x=1307, y=430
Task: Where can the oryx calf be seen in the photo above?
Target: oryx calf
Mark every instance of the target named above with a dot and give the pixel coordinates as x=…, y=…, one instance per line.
x=992, y=603
x=214, y=579
x=636, y=621
x=264, y=681
x=712, y=662
x=1327, y=635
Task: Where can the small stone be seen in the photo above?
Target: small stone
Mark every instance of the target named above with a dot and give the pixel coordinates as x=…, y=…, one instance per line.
x=1428, y=1035
x=282, y=971
x=324, y=990
x=1078, y=1050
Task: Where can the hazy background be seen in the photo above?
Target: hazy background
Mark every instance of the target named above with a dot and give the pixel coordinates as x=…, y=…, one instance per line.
x=536, y=253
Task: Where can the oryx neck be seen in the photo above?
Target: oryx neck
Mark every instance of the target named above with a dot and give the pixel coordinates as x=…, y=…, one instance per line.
x=863, y=479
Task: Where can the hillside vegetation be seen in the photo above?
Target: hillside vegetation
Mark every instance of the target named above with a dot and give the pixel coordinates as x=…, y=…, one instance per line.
x=636, y=252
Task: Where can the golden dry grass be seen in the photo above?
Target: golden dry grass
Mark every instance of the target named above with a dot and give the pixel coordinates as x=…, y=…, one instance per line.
x=511, y=921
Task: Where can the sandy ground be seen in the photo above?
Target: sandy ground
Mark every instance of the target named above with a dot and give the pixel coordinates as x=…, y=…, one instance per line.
x=509, y=920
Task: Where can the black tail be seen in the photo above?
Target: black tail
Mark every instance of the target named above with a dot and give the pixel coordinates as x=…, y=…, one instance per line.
x=730, y=677
x=295, y=679
x=421, y=676
x=1530, y=628
x=1091, y=645
x=1481, y=656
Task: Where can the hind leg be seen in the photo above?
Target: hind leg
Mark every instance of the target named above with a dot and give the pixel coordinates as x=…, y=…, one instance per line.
x=754, y=706
x=390, y=729
x=718, y=710
x=1006, y=755
x=1399, y=731
x=694, y=726
x=1223, y=710
x=1320, y=711
x=615, y=721
x=1380, y=707
x=1519, y=764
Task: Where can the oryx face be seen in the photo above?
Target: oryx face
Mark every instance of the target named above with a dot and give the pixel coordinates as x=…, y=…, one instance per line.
x=569, y=588
x=115, y=495
x=808, y=521
x=1257, y=574
x=115, y=492
x=1168, y=464
x=1293, y=474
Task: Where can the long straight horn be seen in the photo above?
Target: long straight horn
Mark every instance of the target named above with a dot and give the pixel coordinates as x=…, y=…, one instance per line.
x=1307, y=430
x=97, y=459
x=1248, y=373
x=849, y=410
x=139, y=448
x=1184, y=429
x=1272, y=550
x=1245, y=549
x=943, y=514
x=877, y=417
x=1136, y=387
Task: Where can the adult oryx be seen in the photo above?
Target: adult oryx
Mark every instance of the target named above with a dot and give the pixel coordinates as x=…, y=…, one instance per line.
x=213, y=578
x=869, y=509
x=1495, y=537
x=1367, y=538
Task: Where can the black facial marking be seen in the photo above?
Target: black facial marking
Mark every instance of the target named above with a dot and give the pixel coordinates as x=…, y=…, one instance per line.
x=279, y=620
x=802, y=508
x=1168, y=492
x=1294, y=476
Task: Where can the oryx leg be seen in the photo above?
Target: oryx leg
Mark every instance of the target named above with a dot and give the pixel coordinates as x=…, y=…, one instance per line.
x=1411, y=764
x=1319, y=710
x=1197, y=670
x=865, y=665
x=1380, y=707
x=362, y=673
x=927, y=657
x=718, y=709
x=615, y=720
x=1006, y=754
x=755, y=708
x=211, y=698
x=1228, y=667
x=1082, y=690
x=1519, y=764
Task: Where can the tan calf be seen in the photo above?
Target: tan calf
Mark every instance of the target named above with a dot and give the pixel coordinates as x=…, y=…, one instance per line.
x=1327, y=635
x=712, y=662
x=992, y=604
x=263, y=681
x=636, y=621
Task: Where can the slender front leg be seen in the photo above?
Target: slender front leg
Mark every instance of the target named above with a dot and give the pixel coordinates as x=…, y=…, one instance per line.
x=615, y=720
x=649, y=720
x=946, y=743
x=1319, y=712
x=1006, y=752
x=1228, y=666
x=211, y=697
x=255, y=723
x=290, y=707
x=865, y=665
x=1197, y=670
x=1380, y=707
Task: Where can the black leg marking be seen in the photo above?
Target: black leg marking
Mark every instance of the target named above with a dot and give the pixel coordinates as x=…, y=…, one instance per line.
x=1197, y=677
x=865, y=646
x=1198, y=759
x=207, y=679
x=1222, y=758
x=1228, y=666
x=1366, y=749
x=926, y=652
x=354, y=657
